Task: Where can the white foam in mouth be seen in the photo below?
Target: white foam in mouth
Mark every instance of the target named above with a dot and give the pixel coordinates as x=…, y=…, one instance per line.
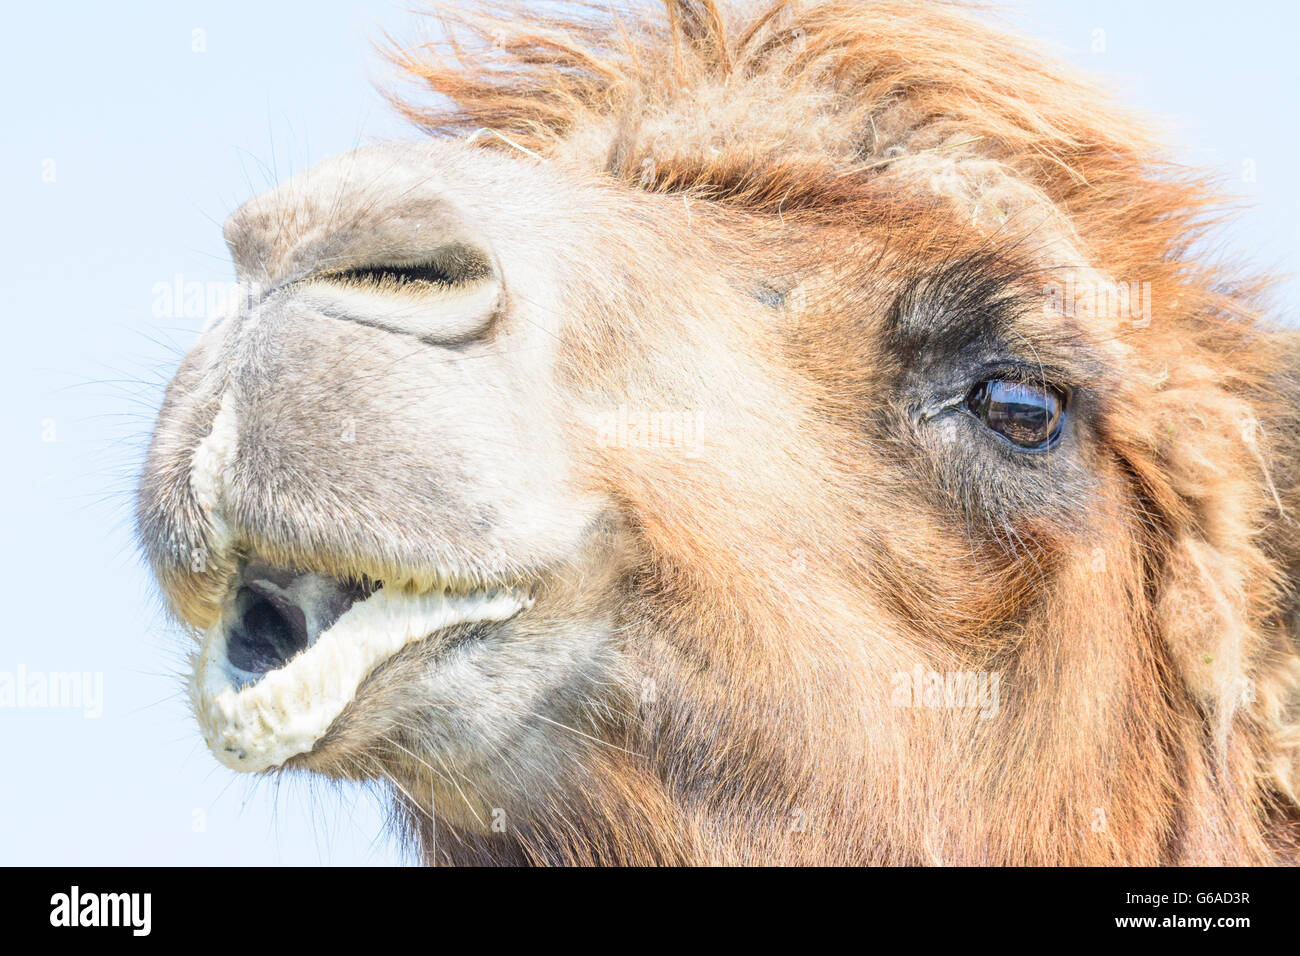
x=264, y=724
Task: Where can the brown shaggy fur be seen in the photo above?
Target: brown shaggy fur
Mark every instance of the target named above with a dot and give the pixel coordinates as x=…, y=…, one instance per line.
x=1149, y=712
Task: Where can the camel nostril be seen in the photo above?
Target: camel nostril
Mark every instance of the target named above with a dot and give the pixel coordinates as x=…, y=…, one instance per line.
x=265, y=635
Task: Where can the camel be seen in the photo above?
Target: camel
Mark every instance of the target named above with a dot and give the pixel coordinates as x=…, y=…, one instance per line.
x=802, y=433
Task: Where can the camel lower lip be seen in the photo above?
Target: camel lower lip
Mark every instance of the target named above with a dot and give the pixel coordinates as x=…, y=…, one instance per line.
x=258, y=724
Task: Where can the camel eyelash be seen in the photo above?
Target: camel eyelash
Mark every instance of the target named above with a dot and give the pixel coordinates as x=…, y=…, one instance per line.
x=423, y=274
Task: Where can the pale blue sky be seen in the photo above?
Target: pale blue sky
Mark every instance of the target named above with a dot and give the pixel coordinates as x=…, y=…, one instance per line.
x=149, y=144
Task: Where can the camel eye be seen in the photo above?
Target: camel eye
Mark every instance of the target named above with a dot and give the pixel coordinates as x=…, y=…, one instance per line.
x=1026, y=415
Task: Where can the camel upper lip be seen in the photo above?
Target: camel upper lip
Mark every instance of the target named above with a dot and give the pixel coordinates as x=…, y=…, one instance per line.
x=291, y=648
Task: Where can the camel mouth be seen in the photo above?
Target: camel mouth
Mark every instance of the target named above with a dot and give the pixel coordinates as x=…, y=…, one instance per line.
x=291, y=648
x=276, y=614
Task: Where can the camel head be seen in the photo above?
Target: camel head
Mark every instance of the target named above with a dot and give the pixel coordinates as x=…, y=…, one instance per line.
x=793, y=434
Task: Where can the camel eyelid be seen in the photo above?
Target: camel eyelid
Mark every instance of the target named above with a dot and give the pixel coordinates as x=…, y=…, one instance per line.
x=459, y=263
x=444, y=313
